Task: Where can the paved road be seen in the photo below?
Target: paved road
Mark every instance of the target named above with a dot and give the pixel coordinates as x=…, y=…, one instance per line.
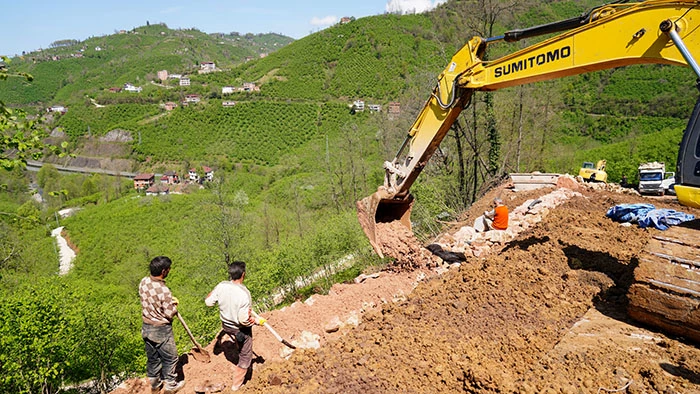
x=33, y=165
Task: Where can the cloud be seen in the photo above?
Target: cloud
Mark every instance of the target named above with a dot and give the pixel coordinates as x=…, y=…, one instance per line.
x=411, y=6
x=324, y=21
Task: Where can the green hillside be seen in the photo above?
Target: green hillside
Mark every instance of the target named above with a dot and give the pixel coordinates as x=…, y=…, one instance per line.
x=65, y=74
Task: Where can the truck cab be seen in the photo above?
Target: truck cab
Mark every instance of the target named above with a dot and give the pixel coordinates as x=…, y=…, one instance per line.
x=654, y=179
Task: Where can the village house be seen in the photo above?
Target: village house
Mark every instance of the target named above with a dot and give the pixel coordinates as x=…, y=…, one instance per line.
x=374, y=107
x=358, y=105
x=207, y=67
x=115, y=90
x=57, y=108
x=131, y=88
x=345, y=19
x=158, y=190
x=228, y=103
x=250, y=87
x=227, y=90
x=193, y=98
x=208, y=173
x=394, y=109
x=163, y=75
x=144, y=181
x=194, y=177
x=184, y=81
x=170, y=178
x=170, y=105
x=174, y=76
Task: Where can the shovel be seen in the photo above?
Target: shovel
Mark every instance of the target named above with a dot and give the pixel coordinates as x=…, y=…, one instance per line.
x=272, y=330
x=198, y=352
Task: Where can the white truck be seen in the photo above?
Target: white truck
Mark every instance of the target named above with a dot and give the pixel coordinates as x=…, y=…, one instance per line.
x=654, y=179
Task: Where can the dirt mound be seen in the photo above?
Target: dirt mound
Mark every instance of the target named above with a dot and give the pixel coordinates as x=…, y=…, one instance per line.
x=543, y=313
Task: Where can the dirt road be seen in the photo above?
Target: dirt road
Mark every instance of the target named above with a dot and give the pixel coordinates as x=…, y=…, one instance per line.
x=544, y=313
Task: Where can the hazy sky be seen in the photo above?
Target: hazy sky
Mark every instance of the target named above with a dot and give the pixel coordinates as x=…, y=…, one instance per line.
x=32, y=24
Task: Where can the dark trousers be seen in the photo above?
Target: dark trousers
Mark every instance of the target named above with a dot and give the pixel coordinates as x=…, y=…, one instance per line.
x=161, y=352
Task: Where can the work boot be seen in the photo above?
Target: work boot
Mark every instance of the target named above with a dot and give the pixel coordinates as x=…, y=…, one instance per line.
x=238, y=377
x=156, y=385
x=172, y=387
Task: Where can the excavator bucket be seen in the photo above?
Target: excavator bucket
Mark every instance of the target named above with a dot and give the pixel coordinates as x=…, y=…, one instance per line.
x=382, y=207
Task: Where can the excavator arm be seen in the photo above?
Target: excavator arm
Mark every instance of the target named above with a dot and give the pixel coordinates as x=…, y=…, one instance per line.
x=613, y=35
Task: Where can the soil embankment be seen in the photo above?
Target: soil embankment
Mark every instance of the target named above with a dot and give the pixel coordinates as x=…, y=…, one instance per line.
x=542, y=313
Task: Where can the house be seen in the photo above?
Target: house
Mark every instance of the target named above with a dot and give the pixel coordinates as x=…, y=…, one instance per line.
x=57, y=108
x=227, y=90
x=144, y=181
x=208, y=173
x=163, y=75
x=157, y=190
x=97, y=48
x=193, y=175
x=174, y=76
x=250, y=87
x=358, y=105
x=131, y=88
x=170, y=178
x=184, y=81
x=170, y=105
x=263, y=55
x=207, y=67
x=228, y=103
x=115, y=90
x=374, y=107
x=193, y=98
x=345, y=19
x=394, y=108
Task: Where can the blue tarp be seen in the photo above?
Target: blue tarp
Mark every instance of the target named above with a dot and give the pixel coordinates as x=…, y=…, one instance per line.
x=646, y=215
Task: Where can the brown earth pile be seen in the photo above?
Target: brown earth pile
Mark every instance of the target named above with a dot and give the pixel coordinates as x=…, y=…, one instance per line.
x=543, y=313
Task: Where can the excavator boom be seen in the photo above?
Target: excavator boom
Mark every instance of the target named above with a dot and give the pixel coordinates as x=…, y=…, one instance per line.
x=613, y=35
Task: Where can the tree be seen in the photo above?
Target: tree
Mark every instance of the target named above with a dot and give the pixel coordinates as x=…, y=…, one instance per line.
x=20, y=138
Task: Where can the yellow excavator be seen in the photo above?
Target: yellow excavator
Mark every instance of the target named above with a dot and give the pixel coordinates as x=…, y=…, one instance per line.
x=613, y=35
x=591, y=173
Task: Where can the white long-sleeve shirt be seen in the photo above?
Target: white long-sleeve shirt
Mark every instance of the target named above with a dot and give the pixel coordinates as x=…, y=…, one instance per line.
x=234, y=303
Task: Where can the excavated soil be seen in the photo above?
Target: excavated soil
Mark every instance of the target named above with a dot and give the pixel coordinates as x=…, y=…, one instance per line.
x=541, y=313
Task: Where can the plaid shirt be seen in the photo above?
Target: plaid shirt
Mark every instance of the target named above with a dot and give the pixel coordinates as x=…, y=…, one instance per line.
x=157, y=304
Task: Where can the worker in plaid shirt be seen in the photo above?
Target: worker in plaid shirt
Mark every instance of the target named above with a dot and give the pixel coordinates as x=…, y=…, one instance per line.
x=158, y=309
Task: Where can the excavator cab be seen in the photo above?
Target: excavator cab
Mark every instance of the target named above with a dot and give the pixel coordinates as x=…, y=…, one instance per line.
x=687, y=184
x=591, y=173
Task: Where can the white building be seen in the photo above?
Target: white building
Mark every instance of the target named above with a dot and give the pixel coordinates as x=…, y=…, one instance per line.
x=227, y=90
x=131, y=88
x=207, y=67
x=184, y=81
